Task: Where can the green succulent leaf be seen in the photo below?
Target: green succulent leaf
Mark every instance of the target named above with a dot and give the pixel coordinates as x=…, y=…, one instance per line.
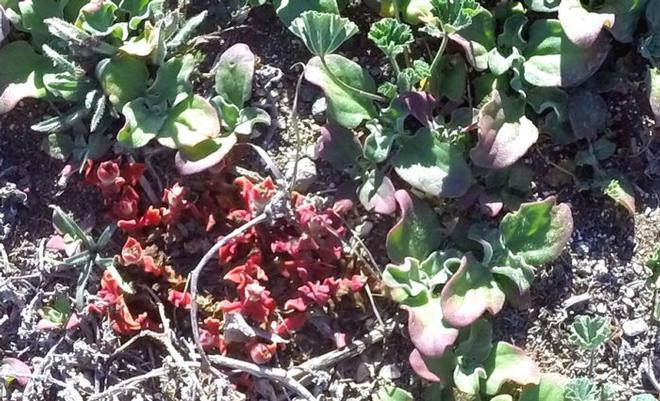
x=137, y=10
x=289, y=10
x=99, y=19
x=454, y=15
x=508, y=363
x=590, y=332
x=432, y=165
x=65, y=85
x=172, y=84
x=142, y=124
x=323, y=33
x=20, y=80
x=235, y=71
x=429, y=333
x=553, y=60
x=248, y=118
x=470, y=292
x=515, y=277
x=339, y=147
x=123, y=79
x=216, y=151
x=468, y=379
x=411, y=281
x=33, y=13
x=450, y=78
x=344, y=107
x=476, y=344
x=416, y=234
x=65, y=224
x=505, y=134
x=391, y=36
x=551, y=387
x=537, y=231
x=191, y=127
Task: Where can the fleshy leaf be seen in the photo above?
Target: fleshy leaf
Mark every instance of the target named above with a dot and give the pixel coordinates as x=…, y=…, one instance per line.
x=474, y=349
x=470, y=292
x=391, y=36
x=412, y=281
x=248, y=118
x=339, y=147
x=15, y=369
x=430, y=335
x=344, y=107
x=142, y=124
x=552, y=60
x=233, y=79
x=123, y=78
x=432, y=165
x=323, y=33
x=377, y=193
x=581, y=26
x=515, y=277
x=223, y=146
x=538, y=231
x=172, y=84
x=508, y=363
x=20, y=80
x=417, y=233
x=477, y=39
x=587, y=112
x=438, y=370
x=190, y=124
x=551, y=387
x=505, y=135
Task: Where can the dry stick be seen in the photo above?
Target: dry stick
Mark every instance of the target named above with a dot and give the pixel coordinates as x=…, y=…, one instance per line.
x=354, y=349
x=296, y=128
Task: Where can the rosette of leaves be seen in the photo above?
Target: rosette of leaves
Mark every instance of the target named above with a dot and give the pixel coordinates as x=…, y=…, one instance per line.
x=347, y=86
x=233, y=87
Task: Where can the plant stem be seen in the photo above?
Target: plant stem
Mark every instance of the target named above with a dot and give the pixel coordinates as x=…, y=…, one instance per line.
x=349, y=88
x=441, y=50
x=395, y=65
x=591, y=362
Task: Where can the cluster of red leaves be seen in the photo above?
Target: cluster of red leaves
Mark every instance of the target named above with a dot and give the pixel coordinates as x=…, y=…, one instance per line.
x=273, y=273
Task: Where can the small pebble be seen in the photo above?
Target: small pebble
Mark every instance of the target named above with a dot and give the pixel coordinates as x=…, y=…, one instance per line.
x=305, y=175
x=389, y=372
x=318, y=110
x=633, y=328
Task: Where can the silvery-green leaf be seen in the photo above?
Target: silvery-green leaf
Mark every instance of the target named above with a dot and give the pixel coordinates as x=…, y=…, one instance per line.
x=391, y=36
x=590, y=332
x=233, y=79
x=248, y=118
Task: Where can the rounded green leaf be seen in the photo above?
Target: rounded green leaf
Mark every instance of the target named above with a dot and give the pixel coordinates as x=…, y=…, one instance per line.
x=233, y=79
x=123, y=78
x=323, y=33
x=189, y=125
x=417, y=233
x=553, y=60
x=538, y=231
x=551, y=387
x=344, y=107
x=470, y=292
x=141, y=125
x=508, y=363
x=21, y=74
x=431, y=165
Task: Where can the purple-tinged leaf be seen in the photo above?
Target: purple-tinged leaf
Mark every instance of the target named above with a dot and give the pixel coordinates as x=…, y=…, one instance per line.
x=581, y=26
x=508, y=363
x=20, y=80
x=504, y=136
x=233, y=79
x=551, y=387
x=377, y=193
x=437, y=370
x=491, y=204
x=339, y=147
x=538, y=231
x=470, y=292
x=188, y=167
x=551, y=59
x=417, y=233
x=430, y=335
x=419, y=105
x=15, y=369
